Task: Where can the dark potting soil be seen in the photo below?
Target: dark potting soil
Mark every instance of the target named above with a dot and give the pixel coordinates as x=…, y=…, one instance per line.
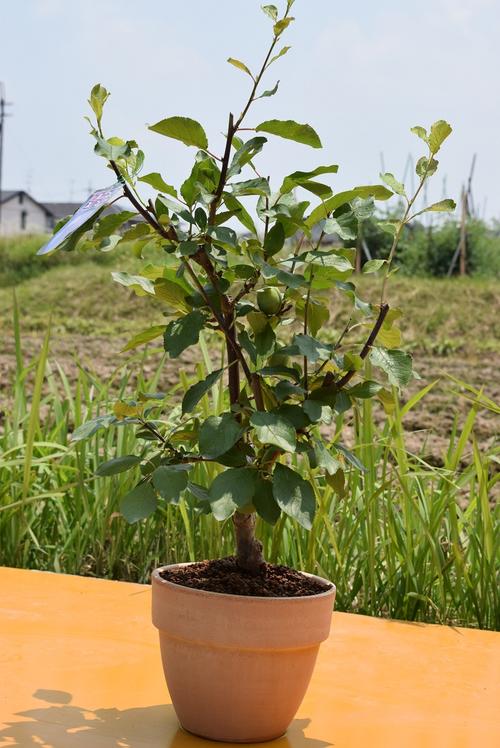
x=223, y=575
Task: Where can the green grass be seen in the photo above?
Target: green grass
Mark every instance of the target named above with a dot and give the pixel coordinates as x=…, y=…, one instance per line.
x=405, y=539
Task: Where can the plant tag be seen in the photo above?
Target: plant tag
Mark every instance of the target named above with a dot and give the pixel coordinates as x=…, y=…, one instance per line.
x=97, y=200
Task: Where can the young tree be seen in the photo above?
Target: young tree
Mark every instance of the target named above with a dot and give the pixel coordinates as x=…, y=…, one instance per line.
x=267, y=295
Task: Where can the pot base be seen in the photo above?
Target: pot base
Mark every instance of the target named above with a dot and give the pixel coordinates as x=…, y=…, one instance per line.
x=218, y=739
x=237, y=667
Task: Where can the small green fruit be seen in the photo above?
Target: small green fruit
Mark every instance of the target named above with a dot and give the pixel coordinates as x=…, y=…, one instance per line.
x=269, y=300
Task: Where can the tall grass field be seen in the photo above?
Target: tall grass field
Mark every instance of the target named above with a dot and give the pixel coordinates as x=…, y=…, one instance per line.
x=411, y=538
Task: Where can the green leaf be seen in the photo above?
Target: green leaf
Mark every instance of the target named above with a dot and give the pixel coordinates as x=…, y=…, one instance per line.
x=295, y=414
x=331, y=259
x=291, y=131
x=363, y=209
x=389, y=336
x=427, y=166
x=392, y=182
x=183, y=332
x=223, y=234
x=264, y=503
x=280, y=26
x=240, y=65
x=269, y=92
x=420, y=132
x=138, y=231
x=372, y=266
x=237, y=456
x=396, y=364
x=280, y=371
x=138, y=503
x=364, y=390
x=271, y=11
x=172, y=293
x=258, y=186
x=350, y=290
x=311, y=348
x=274, y=429
x=299, y=177
x=293, y=280
x=170, y=481
x=158, y=183
x=317, y=188
x=187, y=248
x=318, y=411
x=98, y=97
x=274, y=240
x=377, y=191
x=231, y=489
x=389, y=227
x=218, y=434
x=352, y=362
x=438, y=133
x=345, y=225
x=265, y=341
x=117, y=465
x=350, y=457
x=317, y=314
x=196, y=391
x=282, y=52
x=113, y=148
x=137, y=283
x=108, y=224
x=294, y=495
x=145, y=336
x=443, y=206
x=187, y=130
x=245, y=154
x=324, y=459
x=89, y=428
x=240, y=212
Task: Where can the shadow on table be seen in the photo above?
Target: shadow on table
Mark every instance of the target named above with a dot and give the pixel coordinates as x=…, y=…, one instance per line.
x=64, y=725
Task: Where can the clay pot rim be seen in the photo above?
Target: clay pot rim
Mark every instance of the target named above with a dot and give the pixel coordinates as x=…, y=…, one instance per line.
x=155, y=577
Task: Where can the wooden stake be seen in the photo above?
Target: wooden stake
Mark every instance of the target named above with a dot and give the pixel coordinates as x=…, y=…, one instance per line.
x=463, y=234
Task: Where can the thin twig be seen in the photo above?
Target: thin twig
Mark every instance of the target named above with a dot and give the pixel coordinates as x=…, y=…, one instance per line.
x=384, y=308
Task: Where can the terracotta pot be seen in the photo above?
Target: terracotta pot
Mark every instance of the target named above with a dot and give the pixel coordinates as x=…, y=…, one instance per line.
x=237, y=668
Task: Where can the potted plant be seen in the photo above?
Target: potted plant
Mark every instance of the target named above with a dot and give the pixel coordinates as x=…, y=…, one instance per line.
x=239, y=637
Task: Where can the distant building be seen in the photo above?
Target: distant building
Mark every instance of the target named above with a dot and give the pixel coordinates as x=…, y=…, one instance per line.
x=22, y=214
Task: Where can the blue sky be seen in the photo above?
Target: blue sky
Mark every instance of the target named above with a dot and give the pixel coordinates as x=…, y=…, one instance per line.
x=361, y=73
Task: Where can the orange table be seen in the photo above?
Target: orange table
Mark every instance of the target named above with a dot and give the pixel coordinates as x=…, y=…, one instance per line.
x=80, y=668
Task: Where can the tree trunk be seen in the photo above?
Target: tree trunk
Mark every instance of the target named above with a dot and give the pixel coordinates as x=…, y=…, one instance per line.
x=248, y=548
x=234, y=366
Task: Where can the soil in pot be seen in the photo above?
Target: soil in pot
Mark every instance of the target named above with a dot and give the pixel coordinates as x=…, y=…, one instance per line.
x=224, y=575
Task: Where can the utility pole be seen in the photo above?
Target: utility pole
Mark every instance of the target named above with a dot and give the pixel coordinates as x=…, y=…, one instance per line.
x=3, y=114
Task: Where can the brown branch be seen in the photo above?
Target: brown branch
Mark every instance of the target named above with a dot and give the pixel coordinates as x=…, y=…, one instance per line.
x=223, y=172
x=384, y=308
x=257, y=391
x=233, y=361
x=145, y=213
x=227, y=328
